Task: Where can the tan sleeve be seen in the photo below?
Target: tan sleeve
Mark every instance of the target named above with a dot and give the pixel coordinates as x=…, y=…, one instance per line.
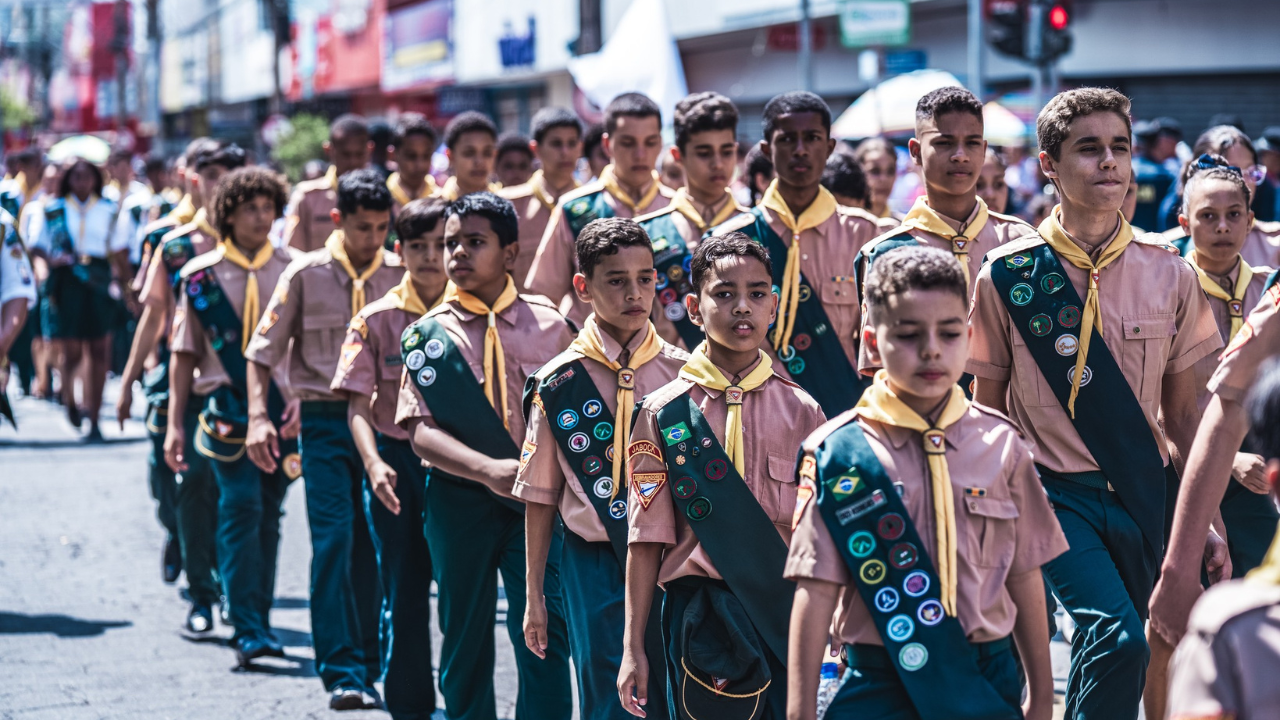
x=1202, y=683
x=297, y=223
x=1197, y=336
x=156, y=292
x=279, y=322
x=188, y=334
x=358, y=359
x=1258, y=340
x=1039, y=536
x=551, y=273
x=540, y=480
x=410, y=405
x=813, y=554
x=990, y=354
x=655, y=523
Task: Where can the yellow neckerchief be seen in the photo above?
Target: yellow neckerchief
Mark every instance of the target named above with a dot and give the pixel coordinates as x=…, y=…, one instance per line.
x=879, y=403
x=1235, y=302
x=684, y=205
x=609, y=179
x=405, y=296
x=331, y=177
x=185, y=211
x=84, y=213
x=449, y=191
x=1268, y=573
x=201, y=221
x=589, y=345
x=923, y=217
x=495, y=361
x=701, y=370
x=402, y=196
x=822, y=207
x=538, y=183
x=1052, y=232
x=252, y=303
x=339, y=252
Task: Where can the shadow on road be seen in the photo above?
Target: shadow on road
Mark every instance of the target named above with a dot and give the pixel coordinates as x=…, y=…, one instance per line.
x=292, y=638
x=67, y=444
x=291, y=603
x=300, y=667
x=60, y=625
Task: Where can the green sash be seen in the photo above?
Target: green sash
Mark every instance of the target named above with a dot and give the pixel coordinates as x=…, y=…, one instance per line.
x=892, y=240
x=151, y=241
x=1184, y=245
x=585, y=208
x=583, y=430
x=1272, y=279
x=898, y=582
x=728, y=521
x=1045, y=308
x=175, y=254
x=457, y=402
x=672, y=260
x=817, y=361
x=11, y=203
x=62, y=248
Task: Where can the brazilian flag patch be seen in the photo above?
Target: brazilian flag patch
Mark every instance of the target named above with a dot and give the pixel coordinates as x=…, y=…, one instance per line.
x=676, y=434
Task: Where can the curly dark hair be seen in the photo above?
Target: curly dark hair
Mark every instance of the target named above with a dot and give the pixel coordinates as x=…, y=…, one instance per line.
x=242, y=185
x=603, y=237
x=722, y=246
x=912, y=267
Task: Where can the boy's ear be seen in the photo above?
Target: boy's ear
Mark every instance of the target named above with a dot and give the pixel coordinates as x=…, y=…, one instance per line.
x=580, y=288
x=335, y=216
x=913, y=149
x=1273, y=477
x=872, y=345
x=327, y=146
x=1185, y=223
x=773, y=310
x=509, y=254
x=695, y=311
x=1046, y=166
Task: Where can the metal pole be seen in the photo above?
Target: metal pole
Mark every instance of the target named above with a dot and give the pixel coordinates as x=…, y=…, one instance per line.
x=1035, y=50
x=976, y=49
x=121, y=42
x=806, y=48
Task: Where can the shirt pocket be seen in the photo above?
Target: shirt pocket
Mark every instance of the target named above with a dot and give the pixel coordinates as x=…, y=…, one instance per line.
x=782, y=469
x=1033, y=389
x=1145, y=351
x=991, y=530
x=839, y=291
x=322, y=335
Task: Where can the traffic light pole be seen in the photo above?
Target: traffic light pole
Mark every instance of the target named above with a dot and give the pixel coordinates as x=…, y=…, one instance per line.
x=1035, y=50
x=975, y=65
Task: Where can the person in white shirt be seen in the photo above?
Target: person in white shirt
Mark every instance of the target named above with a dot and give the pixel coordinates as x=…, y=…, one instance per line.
x=17, y=291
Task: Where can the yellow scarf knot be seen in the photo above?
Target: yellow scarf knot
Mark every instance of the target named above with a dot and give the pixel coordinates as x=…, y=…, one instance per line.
x=185, y=211
x=701, y=370
x=339, y=251
x=252, y=301
x=881, y=404
x=923, y=217
x=201, y=221
x=401, y=195
x=405, y=296
x=683, y=204
x=495, y=361
x=1234, y=301
x=822, y=207
x=609, y=179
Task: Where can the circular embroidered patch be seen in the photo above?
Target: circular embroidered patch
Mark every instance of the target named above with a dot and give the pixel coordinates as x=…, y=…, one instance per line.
x=1069, y=316
x=886, y=599
x=716, y=469
x=930, y=612
x=567, y=419
x=913, y=657
x=592, y=408
x=1021, y=294
x=426, y=376
x=1040, y=325
x=675, y=312
x=916, y=584
x=603, y=430
x=685, y=487
x=899, y=628
x=890, y=527
x=578, y=442
x=618, y=509
x=796, y=366
x=903, y=555
x=434, y=348
x=1085, y=376
x=861, y=544
x=872, y=572
x=592, y=465
x=1066, y=345
x=415, y=360
x=802, y=342
x=1052, y=283
x=603, y=487
x=698, y=508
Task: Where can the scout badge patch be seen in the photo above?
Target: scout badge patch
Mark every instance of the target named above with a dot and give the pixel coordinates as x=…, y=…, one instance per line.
x=647, y=485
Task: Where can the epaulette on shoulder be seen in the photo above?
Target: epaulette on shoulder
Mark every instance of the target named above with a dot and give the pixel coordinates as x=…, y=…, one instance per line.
x=665, y=191
x=1158, y=241
x=391, y=259
x=655, y=214
x=820, y=435
x=178, y=232
x=591, y=188
x=306, y=186
x=1026, y=242
x=516, y=192
x=659, y=398
x=540, y=301
x=1012, y=219
x=737, y=222
x=997, y=415
x=674, y=351
x=160, y=224
x=566, y=356
x=900, y=230
x=856, y=212
x=1268, y=227
x=200, y=262
x=1227, y=601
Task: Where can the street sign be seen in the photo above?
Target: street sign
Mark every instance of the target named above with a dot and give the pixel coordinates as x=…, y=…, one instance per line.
x=865, y=23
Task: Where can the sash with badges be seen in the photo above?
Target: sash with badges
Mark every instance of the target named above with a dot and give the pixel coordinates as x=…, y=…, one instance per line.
x=457, y=402
x=224, y=423
x=583, y=429
x=62, y=248
x=582, y=210
x=155, y=382
x=672, y=261
x=1046, y=310
x=815, y=358
x=899, y=237
x=898, y=582
x=151, y=241
x=11, y=203
x=725, y=516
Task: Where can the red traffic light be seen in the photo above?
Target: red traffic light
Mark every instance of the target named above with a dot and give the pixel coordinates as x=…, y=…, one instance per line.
x=1059, y=17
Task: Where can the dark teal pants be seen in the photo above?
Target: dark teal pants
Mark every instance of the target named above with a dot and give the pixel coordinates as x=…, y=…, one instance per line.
x=404, y=564
x=344, y=572
x=249, y=509
x=196, y=505
x=1251, y=525
x=1104, y=581
x=163, y=486
x=474, y=539
x=875, y=692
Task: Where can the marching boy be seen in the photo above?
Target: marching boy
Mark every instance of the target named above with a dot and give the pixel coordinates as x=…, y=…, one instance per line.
x=557, y=141
x=921, y=519
x=579, y=408
x=710, y=467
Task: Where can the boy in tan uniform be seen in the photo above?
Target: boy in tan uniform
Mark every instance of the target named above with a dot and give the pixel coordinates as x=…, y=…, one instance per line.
x=222, y=293
x=303, y=326
x=615, y=359
x=465, y=366
x=918, y=508
x=557, y=142
x=308, y=221
x=707, y=147
x=369, y=375
x=627, y=188
x=469, y=143
x=415, y=142
x=723, y=437
x=1084, y=380
x=513, y=160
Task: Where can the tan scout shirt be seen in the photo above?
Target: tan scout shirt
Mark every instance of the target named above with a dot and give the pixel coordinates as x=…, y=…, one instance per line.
x=189, y=334
x=1225, y=666
x=553, y=267
x=1257, y=341
x=1009, y=531
x=777, y=417
x=311, y=306
x=534, y=202
x=1262, y=244
x=1205, y=367
x=1155, y=320
x=157, y=288
x=309, y=223
x=371, y=363
x=532, y=332
x=547, y=473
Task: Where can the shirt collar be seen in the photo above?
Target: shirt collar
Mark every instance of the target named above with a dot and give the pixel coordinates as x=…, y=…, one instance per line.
x=713, y=393
x=509, y=316
x=613, y=350
x=898, y=436
x=774, y=222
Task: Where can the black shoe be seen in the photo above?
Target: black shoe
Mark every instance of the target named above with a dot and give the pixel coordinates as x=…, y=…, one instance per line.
x=372, y=700
x=171, y=561
x=274, y=648
x=346, y=699
x=200, y=619
x=94, y=436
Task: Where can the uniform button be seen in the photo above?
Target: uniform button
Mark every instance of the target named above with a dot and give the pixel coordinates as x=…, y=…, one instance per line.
x=804, y=257
x=1136, y=329
x=973, y=505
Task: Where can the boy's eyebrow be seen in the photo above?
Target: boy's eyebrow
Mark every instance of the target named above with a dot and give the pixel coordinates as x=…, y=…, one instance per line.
x=759, y=283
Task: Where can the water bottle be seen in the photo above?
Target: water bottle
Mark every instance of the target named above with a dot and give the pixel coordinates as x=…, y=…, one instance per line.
x=828, y=686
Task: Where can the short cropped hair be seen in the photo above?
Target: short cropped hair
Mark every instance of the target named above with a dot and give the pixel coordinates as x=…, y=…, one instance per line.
x=469, y=121
x=701, y=112
x=1193, y=175
x=722, y=246
x=419, y=217
x=632, y=104
x=550, y=118
x=155, y=164
x=844, y=176
x=223, y=154
x=875, y=144
x=242, y=185
x=1263, y=407
x=363, y=189
x=1054, y=121
x=513, y=142
x=500, y=213
x=349, y=125
x=603, y=237
x=118, y=156
x=913, y=267
x=413, y=123
x=197, y=146
x=593, y=138
x=947, y=100
x=791, y=103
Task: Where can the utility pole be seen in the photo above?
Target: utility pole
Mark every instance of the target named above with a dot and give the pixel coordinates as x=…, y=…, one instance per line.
x=806, y=48
x=152, y=74
x=976, y=70
x=120, y=44
x=1035, y=50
